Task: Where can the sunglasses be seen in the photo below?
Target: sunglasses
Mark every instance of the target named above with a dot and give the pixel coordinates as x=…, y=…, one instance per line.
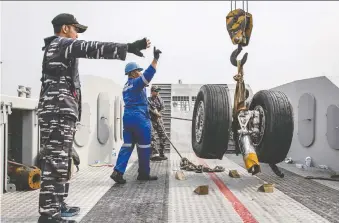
x=76, y=29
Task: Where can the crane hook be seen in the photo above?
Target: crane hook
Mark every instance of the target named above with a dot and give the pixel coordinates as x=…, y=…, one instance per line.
x=235, y=54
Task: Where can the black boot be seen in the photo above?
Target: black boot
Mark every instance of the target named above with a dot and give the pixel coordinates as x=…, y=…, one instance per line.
x=146, y=177
x=162, y=156
x=155, y=157
x=48, y=219
x=68, y=211
x=118, y=177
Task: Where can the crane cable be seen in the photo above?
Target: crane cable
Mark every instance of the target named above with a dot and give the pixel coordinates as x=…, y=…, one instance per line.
x=243, y=5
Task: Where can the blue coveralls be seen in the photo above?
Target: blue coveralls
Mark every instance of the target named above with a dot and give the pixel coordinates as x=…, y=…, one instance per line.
x=136, y=122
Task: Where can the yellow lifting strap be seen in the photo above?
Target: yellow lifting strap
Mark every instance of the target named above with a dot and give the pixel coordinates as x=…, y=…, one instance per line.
x=239, y=26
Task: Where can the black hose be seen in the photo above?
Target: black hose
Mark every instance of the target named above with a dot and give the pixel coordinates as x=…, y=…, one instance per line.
x=276, y=170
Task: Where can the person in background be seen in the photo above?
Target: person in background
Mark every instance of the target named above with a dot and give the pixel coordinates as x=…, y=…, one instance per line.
x=156, y=110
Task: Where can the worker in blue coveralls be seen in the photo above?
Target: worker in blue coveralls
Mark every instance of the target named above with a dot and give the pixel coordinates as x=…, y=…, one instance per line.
x=136, y=121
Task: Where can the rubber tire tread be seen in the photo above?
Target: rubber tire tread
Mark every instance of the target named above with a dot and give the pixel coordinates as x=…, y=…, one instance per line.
x=217, y=121
x=279, y=125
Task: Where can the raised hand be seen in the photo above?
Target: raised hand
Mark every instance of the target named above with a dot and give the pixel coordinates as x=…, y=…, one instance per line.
x=156, y=53
x=138, y=45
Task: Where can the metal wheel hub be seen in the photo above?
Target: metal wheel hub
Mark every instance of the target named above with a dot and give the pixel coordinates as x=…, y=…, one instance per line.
x=257, y=138
x=199, y=122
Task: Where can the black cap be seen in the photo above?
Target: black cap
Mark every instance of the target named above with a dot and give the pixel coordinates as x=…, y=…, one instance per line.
x=68, y=19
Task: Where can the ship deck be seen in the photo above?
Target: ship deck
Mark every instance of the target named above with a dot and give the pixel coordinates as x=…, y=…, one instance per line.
x=294, y=199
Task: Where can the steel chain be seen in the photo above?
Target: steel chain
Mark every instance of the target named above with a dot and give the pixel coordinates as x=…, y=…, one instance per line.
x=187, y=165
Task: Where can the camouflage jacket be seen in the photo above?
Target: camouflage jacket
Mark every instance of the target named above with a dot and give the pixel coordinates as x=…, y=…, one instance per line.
x=60, y=89
x=155, y=103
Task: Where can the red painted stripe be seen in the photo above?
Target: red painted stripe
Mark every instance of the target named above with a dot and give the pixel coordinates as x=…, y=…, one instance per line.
x=242, y=211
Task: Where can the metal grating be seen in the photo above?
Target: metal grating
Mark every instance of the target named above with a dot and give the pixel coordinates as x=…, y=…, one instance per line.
x=87, y=187
x=136, y=201
x=303, y=199
x=165, y=94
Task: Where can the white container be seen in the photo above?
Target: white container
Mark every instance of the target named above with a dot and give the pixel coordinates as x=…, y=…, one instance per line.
x=308, y=161
x=114, y=156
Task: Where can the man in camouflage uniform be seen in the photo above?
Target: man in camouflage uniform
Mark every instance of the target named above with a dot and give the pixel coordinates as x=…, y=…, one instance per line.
x=156, y=107
x=60, y=107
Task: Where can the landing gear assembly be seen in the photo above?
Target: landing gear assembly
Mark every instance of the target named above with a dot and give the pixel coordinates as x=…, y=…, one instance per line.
x=262, y=129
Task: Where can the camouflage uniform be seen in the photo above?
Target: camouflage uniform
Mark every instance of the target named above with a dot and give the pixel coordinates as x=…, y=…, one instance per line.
x=156, y=103
x=56, y=134
x=59, y=108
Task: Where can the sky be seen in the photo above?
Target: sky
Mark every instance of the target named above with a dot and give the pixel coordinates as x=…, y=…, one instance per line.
x=290, y=40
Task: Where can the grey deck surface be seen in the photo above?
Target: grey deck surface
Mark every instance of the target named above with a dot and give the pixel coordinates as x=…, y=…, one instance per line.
x=319, y=198
x=135, y=201
x=168, y=200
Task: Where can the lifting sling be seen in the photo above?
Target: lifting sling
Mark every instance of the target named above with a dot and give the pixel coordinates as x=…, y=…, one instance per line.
x=239, y=26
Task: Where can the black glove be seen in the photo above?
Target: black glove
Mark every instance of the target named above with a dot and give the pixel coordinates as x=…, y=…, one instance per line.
x=156, y=53
x=76, y=158
x=136, y=46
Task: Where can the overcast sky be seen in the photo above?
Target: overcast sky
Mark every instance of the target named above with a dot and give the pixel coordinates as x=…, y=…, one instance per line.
x=290, y=40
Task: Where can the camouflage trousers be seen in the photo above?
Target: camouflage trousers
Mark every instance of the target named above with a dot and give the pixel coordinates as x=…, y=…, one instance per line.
x=156, y=128
x=56, y=138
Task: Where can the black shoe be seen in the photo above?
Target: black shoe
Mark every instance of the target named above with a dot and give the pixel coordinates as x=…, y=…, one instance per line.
x=156, y=157
x=68, y=211
x=48, y=219
x=149, y=177
x=163, y=157
x=117, y=177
